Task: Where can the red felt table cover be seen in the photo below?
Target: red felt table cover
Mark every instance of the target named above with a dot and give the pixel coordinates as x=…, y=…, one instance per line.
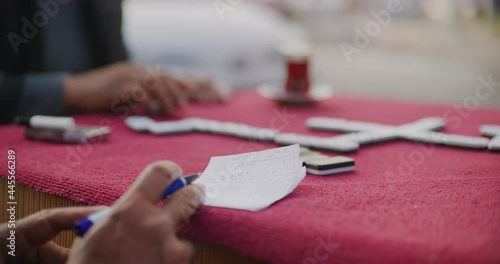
x=406, y=202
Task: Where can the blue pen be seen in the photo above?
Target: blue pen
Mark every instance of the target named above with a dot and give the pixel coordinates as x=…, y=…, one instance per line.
x=82, y=226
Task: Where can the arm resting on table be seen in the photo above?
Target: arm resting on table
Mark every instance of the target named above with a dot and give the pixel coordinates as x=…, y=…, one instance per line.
x=30, y=94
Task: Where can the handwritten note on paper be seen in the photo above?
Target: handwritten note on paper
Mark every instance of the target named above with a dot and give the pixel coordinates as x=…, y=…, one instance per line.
x=252, y=181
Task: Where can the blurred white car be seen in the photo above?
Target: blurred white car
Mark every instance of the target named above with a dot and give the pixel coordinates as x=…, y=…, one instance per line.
x=236, y=45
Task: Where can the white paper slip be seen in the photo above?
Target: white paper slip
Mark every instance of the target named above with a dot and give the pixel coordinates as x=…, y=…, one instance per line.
x=252, y=181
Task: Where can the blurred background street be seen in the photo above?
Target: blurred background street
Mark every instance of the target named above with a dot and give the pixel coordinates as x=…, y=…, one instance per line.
x=431, y=51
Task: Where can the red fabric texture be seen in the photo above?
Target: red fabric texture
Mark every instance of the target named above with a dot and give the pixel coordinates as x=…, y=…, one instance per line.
x=405, y=203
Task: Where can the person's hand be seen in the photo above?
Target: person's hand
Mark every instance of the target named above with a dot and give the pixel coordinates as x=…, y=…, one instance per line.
x=34, y=235
x=204, y=90
x=124, y=84
x=138, y=230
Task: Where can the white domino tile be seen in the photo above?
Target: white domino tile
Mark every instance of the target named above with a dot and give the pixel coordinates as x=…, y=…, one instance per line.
x=139, y=123
x=492, y=131
x=494, y=144
x=465, y=141
x=358, y=132
x=171, y=127
x=341, y=125
x=424, y=137
x=421, y=130
x=364, y=138
x=316, y=142
x=427, y=124
x=267, y=134
x=198, y=124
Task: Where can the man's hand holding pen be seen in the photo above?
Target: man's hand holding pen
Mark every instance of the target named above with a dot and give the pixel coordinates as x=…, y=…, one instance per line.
x=140, y=230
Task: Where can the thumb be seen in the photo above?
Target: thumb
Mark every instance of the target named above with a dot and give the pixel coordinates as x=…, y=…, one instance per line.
x=45, y=225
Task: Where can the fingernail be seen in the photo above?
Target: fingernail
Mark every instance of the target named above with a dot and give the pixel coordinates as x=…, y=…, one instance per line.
x=177, y=174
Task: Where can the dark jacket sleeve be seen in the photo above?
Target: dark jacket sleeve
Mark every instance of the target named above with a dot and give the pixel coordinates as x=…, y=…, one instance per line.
x=31, y=94
x=23, y=93
x=10, y=95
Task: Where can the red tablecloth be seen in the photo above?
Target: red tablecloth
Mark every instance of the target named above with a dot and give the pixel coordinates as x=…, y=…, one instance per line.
x=406, y=202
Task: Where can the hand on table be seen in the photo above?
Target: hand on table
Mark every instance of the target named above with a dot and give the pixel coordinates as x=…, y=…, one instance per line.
x=34, y=234
x=205, y=90
x=107, y=88
x=137, y=230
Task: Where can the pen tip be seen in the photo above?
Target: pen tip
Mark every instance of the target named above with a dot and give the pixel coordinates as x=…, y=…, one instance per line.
x=191, y=178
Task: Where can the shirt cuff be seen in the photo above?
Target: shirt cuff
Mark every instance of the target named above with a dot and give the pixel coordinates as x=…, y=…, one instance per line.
x=43, y=94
